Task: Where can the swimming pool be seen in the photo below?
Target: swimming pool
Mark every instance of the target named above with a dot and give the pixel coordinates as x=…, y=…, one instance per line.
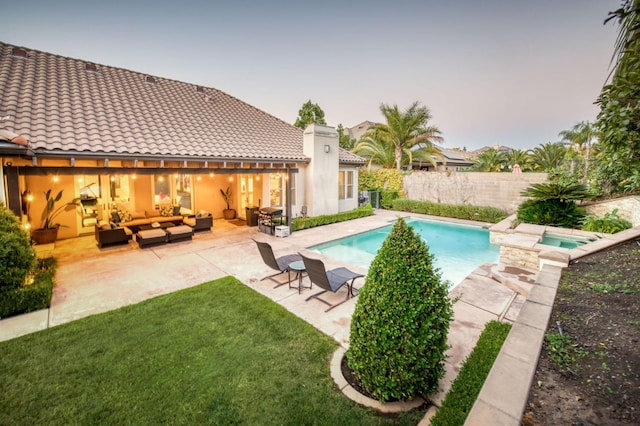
x=457, y=249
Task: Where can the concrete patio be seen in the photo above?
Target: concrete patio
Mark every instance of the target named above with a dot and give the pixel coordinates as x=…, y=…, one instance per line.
x=92, y=280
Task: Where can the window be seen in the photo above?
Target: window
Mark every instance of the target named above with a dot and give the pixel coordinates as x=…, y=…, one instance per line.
x=345, y=185
x=183, y=190
x=275, y=190
x=161, y=189
x=119, y=188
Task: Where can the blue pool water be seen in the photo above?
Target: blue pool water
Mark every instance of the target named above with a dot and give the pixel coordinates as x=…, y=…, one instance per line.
x=565, y=241
x=457, y=249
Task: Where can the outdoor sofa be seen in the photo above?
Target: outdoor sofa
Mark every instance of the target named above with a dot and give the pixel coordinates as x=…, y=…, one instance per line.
x=200, y=222
x=123, y=217
x=108, y=235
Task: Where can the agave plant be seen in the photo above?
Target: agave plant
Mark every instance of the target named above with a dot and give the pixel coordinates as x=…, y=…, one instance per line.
x=553, y=203
x=556, y=191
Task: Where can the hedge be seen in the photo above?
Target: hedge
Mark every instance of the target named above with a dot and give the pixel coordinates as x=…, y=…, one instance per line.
x=310, y=222
x=464, y=211
x=474, y=371
x=33, y=297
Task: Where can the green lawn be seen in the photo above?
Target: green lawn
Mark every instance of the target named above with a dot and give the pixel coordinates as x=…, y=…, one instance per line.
x=218, y=353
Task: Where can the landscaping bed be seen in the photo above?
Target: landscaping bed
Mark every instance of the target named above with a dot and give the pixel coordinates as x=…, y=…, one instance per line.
x=588, y=371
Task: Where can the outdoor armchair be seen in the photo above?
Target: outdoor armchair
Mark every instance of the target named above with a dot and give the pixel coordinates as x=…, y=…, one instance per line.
x=332, y=280
x=280, y=264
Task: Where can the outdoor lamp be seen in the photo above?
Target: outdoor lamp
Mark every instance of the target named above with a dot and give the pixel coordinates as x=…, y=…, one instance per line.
x=327, y=149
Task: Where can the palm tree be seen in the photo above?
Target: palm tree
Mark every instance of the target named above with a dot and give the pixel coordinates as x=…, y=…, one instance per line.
x=428, y=154
x=520, y=157
x=581, y=137
x=405, y=130
x=549, y=156
x=378, y=152
x=490, y=160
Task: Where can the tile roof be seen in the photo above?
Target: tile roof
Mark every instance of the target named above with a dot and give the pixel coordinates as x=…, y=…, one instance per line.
x=348, y=157
x=62, y=107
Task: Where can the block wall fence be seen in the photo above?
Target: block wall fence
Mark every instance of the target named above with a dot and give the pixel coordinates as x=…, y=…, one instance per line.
x=500, y=190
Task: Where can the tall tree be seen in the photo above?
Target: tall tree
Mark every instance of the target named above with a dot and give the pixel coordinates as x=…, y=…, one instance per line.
x=619, y=119
x=519, y=157
x=549, y=156
x=581, y=138
x=490, y=160
x=309, y=113
x=344, y=140
x=378, y=151
x=405, y=130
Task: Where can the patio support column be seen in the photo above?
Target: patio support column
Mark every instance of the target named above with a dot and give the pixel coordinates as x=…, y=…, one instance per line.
x=14, y=202
x=288, y=189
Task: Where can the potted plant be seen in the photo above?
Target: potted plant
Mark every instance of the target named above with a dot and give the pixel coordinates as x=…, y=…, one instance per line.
x=228, y=213
x=48, y=231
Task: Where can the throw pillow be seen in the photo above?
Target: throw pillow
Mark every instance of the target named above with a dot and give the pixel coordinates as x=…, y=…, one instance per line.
x=152, y=213
x=166, y=211
x=125, y=216
x=116, y=217
x=176, y=210
x=114, y=225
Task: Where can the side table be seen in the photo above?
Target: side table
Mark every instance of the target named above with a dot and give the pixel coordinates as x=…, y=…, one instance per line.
x=299, y=269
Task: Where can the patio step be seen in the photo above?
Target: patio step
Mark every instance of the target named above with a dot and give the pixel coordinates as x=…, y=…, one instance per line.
x=517, y=278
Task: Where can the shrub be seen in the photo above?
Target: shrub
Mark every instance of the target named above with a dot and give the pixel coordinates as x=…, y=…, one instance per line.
x=31, y=297
x=310, y=222
x=554, y=204
x=17, y=257
x=389, y=179
x=479, y=213
x=401, y=320
x=551, y=212
x=387, y=197
x=610, y=223
x=473, y=373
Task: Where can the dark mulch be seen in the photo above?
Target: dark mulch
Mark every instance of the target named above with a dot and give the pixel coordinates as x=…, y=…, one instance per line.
x=597, y=305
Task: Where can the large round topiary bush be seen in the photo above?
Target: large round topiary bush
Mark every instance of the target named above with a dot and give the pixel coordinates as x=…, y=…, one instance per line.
x=401, y=320
x=17, y=257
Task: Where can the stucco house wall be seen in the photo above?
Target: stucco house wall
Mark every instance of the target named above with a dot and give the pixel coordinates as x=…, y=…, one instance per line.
x=320, y=143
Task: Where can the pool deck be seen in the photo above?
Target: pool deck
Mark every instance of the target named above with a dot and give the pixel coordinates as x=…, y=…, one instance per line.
x=92, y=281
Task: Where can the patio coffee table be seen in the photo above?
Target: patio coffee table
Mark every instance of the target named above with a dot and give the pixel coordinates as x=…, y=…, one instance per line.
x=163, y=225
x=299, y=269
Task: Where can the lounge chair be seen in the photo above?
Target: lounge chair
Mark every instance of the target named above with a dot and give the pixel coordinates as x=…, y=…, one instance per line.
x=280, y=264
x=332, y=280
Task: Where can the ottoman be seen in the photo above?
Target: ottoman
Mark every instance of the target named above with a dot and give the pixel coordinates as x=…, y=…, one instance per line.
x=151, y=237
x=179, y=233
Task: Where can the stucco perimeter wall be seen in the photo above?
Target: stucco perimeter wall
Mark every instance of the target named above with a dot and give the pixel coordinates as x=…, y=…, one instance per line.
x=500, y=190
x=628, y=208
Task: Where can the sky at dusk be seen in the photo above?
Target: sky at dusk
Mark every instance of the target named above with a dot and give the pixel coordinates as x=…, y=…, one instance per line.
x=508, y=72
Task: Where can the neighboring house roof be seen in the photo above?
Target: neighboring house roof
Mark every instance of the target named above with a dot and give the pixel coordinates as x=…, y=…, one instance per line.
x=451, y=158
x=358, y=130
x=347, y=157
x=500, y=148
x=69, y=106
